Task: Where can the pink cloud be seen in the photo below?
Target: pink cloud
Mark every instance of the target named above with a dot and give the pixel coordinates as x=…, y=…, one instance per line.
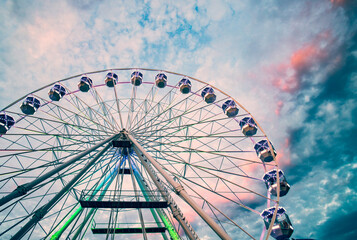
x=338, y=2
x=287, y=76
x=304, y=57
x=278, y=108
x=283, y=155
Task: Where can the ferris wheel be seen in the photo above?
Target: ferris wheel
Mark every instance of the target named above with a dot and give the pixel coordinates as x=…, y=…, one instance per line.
x=137, y=154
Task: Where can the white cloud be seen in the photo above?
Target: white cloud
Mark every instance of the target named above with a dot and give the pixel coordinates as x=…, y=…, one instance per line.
x=231, y=45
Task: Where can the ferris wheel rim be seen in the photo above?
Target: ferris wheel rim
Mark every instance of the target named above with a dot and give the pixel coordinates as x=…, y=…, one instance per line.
x=154, y=70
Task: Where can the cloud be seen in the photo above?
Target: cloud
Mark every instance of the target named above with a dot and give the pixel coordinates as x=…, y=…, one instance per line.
x=309, y=59
x=333, y=195
x=291, y=63
x=341, y=227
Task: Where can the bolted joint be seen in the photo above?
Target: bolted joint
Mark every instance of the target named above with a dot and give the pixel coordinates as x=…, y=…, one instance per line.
x=178, y=188
x=176, y=213
x=39, y=214
x=22, y=189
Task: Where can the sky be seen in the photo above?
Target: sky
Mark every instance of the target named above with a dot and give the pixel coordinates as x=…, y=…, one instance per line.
x=292, y=64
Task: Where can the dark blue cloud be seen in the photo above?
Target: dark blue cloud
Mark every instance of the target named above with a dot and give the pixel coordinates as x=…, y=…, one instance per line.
x=338, y=88
x=340, y=226
x=332, y=138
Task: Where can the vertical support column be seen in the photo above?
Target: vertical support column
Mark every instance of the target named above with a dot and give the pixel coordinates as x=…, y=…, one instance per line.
x=181, y=191
x=137, y=198
x=156, y=213
x=41, y=212
x=187, y=228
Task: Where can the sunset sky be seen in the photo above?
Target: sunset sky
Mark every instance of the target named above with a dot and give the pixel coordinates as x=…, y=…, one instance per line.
x=292, y=64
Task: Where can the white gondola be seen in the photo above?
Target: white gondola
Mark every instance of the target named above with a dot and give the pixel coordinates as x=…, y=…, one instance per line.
x=111, y=79
x=57, y=92
x=185, y=85
x=6, y=122
x=208, y=95
x=282, y=227
x=248, y=126
x=263, y=151
x=85, y=84
x=30, y=105
x=270, y=179
x=136, y=78
x=230, y=108
x=161, y=80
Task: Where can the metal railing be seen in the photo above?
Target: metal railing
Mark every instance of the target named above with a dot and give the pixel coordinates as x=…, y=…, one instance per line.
x=127, y=225
x=122, y=195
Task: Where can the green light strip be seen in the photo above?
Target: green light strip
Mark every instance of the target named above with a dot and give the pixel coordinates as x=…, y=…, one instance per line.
x=69, y=221
x=110, y=177
x=172, y=231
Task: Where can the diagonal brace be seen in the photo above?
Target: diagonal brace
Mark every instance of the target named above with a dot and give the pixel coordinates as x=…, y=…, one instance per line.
x=181, y=191
x=25, y=188
x=41, y=212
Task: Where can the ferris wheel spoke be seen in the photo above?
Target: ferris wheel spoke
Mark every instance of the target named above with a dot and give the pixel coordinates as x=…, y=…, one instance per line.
x=213, y=120
x=224, y=179
x=161, y=108
x=191, y=137
x=187, y=113
x=131, y=105
x=55, y=215
x=82, y=105
x=176, y=143
x=222, y=213
x=216, y=217
x=46, y=208
x=33, y=134
x=80, y=114
x=75, y=125
x=117, y=101
x=28, y=213
x=89, y=113
x=48, y=163
x=156, y=105
x=17, y=222
x=24, y=151
x=105, y=164
x=181, y=127
x=187, y=107
x=170, y=106
x=30, y=185
x=72, y=119
x=208, y=169
x=187, y=138
x=28, y=169
x=215, y=153
x=70, y=136
x=46, y=122
x=102, y=104
x=145, y=106
x=182, y=162
x=51, y=126
x=48, y=140
x=217, y=175
x=183, y=179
